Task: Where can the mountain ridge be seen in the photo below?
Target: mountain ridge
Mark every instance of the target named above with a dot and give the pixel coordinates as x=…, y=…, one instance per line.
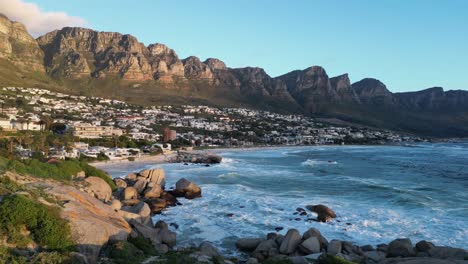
x=118, y=65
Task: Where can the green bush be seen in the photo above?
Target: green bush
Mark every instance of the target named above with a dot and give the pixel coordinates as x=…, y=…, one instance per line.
x=123, y=252
x=55, y=258
x=46, y=228
x=61, y=170
x=7, y=258
x=8, y=186
x=144, y=244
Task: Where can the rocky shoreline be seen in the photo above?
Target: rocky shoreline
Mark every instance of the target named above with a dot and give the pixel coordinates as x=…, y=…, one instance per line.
x=146, y=189
x=101, y=219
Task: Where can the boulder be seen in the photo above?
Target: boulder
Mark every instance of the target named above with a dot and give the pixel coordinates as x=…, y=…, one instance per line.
x=130, y=193
x=401, y=247
x=448, y=253
x=157, y=205
x=374, y=256
x=129, y=216
x=310, y=245
x=142, y=209
x=248, y=244
x=334, y=247
x=131, y=177
x=420, y=261
x=207, y=249
x=120, y=183
x=349, y=248
x=161, y=225
x=367, y=248
x=146, y=231
x=324, y=213
x=92, y=223
x=168, y=237
x=98, y=188
x=153, y=192
x=298, y=260
x=290, y=242
x=264, y=247
x=156, y=176
x=140, y=184
x=316, y=233
x=424, y=246
x=130, y=202
x=171, y=200
x=116, y=205
x=187, y=189
x=161, y=248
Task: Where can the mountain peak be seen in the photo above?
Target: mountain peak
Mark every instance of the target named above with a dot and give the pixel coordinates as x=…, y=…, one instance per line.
x=18, y=46
x=369, y=87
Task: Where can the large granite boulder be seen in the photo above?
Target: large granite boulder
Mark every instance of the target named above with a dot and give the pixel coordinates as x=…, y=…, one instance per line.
x=401, y=247
x=448, y=253
x=130, y=193
x=187, y=189
x=141, y=209
x=93, y=224
x=140, y=184
x=153, y=192
x=248, y=244
x=310, y=245
x=155, y=176
x=120, y=183
x=314, y=232
x=98, y=188
x=324, y=213
x=290, y=242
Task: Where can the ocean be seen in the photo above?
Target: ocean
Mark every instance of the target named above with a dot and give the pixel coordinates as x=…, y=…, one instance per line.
x=379, y=193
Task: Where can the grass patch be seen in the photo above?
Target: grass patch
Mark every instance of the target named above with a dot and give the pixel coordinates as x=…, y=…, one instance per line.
x=123, y=252
x=143, y=244
x=61, y=170
x=7, y=186
x=23, y=220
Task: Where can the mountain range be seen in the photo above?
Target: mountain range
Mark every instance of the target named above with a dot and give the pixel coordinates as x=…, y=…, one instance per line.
x=114, y=65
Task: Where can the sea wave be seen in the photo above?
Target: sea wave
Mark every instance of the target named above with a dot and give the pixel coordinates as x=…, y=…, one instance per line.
x=314, y=163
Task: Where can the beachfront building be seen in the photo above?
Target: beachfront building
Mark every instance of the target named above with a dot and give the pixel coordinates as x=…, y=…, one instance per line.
x=86, y=130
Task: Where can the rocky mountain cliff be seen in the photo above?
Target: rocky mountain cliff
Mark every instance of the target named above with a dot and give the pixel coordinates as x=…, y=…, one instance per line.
x=117, y=65
x=18, y=47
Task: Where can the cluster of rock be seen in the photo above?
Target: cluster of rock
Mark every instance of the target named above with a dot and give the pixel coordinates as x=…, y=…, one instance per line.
x=312, y=246
x=138, y=197
x=197, y=157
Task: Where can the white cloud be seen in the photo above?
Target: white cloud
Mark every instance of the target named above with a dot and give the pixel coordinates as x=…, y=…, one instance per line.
x=37, y=21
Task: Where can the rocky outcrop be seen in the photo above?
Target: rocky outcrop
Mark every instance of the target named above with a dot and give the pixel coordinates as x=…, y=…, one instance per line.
x=187, y=189
x=324, y=213
x=93, y=223
x=198, y=157
x=18, y=47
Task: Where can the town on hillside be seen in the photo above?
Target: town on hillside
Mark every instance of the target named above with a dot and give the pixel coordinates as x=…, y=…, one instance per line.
x=93, y=127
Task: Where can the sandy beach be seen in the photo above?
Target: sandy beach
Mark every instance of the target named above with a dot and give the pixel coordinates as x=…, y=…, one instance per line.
x=161, y=158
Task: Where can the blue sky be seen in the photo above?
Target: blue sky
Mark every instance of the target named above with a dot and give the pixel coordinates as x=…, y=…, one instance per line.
x=407, y=44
